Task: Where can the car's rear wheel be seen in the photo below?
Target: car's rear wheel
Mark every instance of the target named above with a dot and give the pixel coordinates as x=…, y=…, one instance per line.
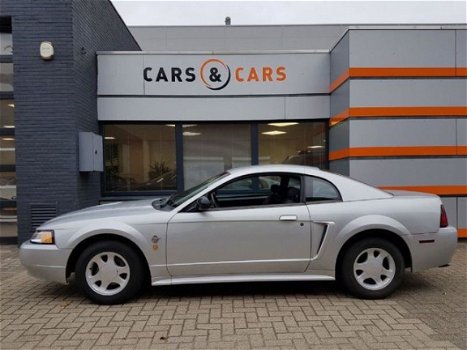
x=109, y=272
x=372, y=268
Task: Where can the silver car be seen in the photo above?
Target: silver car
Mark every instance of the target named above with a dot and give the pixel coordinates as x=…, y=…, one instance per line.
x=260, y=223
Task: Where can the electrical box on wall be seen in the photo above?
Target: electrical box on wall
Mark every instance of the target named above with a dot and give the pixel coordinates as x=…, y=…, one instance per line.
x=90, y=152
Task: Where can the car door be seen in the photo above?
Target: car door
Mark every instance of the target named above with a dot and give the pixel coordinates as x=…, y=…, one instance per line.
x=246, y=233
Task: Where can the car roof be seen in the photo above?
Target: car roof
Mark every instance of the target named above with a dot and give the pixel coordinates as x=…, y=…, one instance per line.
x=301, y=169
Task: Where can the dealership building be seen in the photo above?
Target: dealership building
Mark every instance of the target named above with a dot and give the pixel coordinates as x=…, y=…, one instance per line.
x=93, y=111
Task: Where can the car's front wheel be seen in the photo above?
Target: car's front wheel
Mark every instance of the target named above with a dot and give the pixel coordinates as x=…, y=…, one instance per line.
x=372, y=268
x=109, y=272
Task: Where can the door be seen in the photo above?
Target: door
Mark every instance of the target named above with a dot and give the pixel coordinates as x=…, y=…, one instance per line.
x=258, y=224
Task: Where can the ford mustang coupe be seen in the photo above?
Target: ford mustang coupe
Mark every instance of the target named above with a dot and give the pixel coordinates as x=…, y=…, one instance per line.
x=260, y=223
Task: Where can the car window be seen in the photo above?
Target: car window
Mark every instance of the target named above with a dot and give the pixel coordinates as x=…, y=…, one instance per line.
x=258, y=190
x=317, y=189
x=178, y=198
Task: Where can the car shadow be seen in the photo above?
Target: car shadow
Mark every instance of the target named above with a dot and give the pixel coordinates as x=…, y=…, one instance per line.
x=253, y=289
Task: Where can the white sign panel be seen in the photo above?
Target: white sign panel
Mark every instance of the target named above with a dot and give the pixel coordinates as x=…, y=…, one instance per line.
x=211, y=75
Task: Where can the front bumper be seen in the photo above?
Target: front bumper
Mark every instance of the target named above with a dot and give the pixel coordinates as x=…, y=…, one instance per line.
x=45, y=261
x=433, y=249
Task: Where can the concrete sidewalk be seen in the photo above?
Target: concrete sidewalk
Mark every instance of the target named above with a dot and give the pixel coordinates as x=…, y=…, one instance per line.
x=428, y=312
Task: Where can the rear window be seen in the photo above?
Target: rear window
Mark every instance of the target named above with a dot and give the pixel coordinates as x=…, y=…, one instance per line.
x=318, y=190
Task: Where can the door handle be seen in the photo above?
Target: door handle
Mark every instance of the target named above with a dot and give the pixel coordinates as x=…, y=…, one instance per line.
x=288, y=218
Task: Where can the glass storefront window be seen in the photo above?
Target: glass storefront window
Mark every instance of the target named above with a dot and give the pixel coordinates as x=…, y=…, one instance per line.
x=7, y=150
x=142, y=157
x=139, y=158
x=7, y=185
x=210, y=149
x=6, y=44
x=6, y=77
x=301, y=143
x=7, y=114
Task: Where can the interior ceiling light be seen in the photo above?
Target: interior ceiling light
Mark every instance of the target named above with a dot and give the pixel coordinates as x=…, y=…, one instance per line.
x=109, y=138
x=282, y=125
x=8, y=126
x=274, y=132
x=12, y=105
x=189, y=133
x=316, y=146
x=184, y=125
x=8, y=139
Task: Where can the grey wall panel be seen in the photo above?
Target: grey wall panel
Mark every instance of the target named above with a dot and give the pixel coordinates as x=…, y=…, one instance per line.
x=407, y=92
x=186, y=108
x=407, y=171
x=339, y=136
x=340, y=166
x=251, y=32
x=402, y=132
x=450, y=204
x=233, y=38
x=310, y=107
x=340, y=57
x=340, y=99
x=461, y=212
x=187, y=44
x=116, y=74
x=402, y=48
x=461, y=132
x=461, y=48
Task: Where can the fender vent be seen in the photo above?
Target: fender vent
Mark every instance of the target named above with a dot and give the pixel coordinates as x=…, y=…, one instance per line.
x=41, y=213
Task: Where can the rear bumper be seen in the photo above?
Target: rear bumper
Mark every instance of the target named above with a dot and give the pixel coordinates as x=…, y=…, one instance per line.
x=45, y=261
x=433, y=249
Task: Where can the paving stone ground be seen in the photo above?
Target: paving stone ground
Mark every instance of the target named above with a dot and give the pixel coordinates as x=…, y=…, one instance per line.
x=429, y=311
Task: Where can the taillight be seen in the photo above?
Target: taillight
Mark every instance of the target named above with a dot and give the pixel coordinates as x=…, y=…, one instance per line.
x=443, y=221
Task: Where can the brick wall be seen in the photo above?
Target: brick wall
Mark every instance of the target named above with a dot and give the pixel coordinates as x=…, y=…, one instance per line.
x=54, y=100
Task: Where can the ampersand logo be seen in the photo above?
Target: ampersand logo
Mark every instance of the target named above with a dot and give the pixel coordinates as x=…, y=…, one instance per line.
x=215, y=74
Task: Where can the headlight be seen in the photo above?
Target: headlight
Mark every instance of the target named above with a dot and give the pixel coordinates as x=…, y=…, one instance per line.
x=43, y=237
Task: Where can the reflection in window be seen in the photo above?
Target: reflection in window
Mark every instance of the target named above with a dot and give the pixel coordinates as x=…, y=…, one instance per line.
x=7, y=185
x=293, y=143
x=210, y=149
x=6, y=44
x=7, y=150
x=317, y=190
x=7, y=114
x=139, y=158
x=6, y=77
x=8, y=221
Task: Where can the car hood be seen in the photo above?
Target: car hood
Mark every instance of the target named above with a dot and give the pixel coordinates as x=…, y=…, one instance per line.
x=114, y=210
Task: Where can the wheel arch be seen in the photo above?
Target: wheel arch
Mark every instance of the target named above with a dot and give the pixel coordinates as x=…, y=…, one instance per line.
x=76, y=252
x=392, y=237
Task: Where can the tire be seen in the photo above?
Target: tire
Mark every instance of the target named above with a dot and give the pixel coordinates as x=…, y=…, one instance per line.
x=372, y=268
x=109, y=272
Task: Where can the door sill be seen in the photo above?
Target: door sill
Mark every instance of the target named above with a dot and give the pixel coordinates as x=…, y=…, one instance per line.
x=240, y=278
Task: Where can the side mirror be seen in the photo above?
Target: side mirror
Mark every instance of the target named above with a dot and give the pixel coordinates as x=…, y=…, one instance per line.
x=203, y=203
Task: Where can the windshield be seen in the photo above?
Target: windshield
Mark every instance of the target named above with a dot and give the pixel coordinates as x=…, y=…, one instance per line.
x=178, y=198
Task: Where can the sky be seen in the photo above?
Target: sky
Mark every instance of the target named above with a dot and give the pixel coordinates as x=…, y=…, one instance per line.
x=151, y=12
